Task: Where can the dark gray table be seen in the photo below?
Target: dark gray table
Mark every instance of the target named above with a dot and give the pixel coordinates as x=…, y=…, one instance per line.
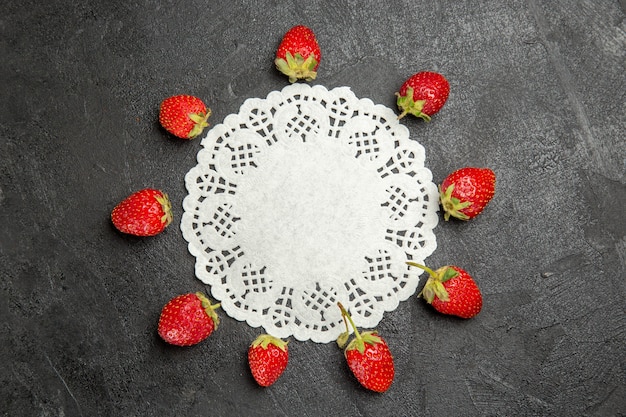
x=538, y=94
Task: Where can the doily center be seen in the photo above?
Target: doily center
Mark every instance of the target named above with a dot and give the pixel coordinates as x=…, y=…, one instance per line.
x=305, y=207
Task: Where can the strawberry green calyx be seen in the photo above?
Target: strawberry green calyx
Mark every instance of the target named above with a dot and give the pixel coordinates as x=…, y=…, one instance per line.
x=408, y=105
x=209, y=309
x=434, y=284
x=452, y=206
x=296, y=67
x=200, y=122
x=265, y=340
x=166, y=206
x=358, y=343
x=360, y=339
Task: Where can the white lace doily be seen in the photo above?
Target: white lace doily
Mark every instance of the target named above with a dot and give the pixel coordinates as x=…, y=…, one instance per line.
x=304, y=199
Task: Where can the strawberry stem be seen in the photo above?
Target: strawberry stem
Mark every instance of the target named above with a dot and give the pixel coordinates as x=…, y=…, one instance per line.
x=345, y=316
x=425, y=268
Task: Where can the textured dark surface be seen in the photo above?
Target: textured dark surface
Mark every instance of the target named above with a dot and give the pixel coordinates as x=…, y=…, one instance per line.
x=538, y=94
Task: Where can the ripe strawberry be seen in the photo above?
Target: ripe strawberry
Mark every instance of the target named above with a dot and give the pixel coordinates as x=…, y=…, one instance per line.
x=298, y=55
x=184, y=116
x=267, y=357
x=465, y=193
x=187, y=319
x=451, y=290
x=423, y=95
x=368, y=356
x=144, y=213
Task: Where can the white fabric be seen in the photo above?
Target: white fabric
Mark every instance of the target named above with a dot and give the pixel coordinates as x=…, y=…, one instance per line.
x=304, y=199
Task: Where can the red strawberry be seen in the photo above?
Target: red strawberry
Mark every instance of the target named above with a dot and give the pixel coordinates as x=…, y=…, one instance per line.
x=144, y=213
x=298, y=55
x=465, y=193
x=368, y=356
x=451, y=290
x=184, y=116
x=423, y=95
x=267, y=357
x=187, y=319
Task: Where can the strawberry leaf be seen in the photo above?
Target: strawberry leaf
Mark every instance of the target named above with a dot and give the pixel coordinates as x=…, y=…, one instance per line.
x=265, y=340
x=166, y=206
x=297, y=67
x=342, y=340
x=200, y=122
x=440, y=291
x=371, y=338
x=434, y=288
x=447, y=273
x=408, y=105
x=452, y=206
x=209, y=309
x=427, y=293
x=357, y=344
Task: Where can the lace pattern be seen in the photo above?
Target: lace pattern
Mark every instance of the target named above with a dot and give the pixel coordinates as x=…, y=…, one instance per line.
x=306, y=198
